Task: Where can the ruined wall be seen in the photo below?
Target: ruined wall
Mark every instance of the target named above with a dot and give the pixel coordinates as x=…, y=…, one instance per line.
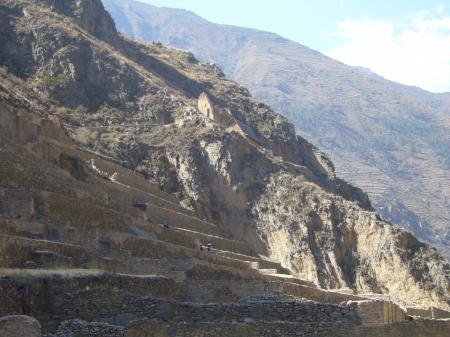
x=17, y=203
x=405, y=329
x=60, y=297
x=205, y=106
x=23, y=128
x=221, y=116
x=97, y=297
x=82, y=328
x=430, y=312
x=16, y=251
x=216, y=289
x=192, y=239
x=379, y=312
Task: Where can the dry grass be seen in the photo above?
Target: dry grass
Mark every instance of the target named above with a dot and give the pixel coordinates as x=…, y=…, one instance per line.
x=31, y=273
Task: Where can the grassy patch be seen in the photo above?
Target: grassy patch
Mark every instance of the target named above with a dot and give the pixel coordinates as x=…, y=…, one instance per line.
x=32, y=273
x=52, y=81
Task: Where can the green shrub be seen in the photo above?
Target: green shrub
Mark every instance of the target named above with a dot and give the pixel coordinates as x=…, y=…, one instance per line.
x=52, y=81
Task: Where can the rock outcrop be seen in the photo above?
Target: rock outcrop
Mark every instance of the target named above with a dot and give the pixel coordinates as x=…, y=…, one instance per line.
x=19, y=326
x=363, y=121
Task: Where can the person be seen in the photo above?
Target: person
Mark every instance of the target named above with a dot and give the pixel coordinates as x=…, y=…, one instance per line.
x=164, y=225
x=202, y=248
x=209, y=246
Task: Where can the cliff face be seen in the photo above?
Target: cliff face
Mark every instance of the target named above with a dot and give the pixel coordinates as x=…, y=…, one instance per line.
x=255, y=178
x=281, y=210
x=364, y=122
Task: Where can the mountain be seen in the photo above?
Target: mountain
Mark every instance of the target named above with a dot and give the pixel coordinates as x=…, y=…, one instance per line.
x=389, y=139
x=142, y=193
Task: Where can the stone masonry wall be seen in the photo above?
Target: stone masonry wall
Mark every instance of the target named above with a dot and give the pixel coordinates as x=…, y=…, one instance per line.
x=430, y=312
x=59, y=297
x=379, y=312
x=404, y=329
x=120, y=299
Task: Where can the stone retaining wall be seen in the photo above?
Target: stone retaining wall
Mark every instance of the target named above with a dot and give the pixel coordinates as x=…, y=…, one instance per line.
x=229, y=289
x=59, y=297
x=379, y=312
x=431, y=312
x=120, y=299
x=260, y=329
x=194, y=239
x=81, y=328
x=15, y=251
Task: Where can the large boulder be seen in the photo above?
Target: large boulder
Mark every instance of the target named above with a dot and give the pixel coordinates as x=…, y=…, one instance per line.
x=19, y=326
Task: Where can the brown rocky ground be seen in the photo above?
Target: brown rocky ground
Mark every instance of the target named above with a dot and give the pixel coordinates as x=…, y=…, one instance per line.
x=389, y=139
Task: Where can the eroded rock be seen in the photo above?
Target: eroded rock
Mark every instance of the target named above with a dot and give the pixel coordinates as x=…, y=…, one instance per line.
x=19, y=326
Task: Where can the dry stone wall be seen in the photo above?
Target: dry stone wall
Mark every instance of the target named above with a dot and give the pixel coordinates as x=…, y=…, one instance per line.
x=57, y=298
x=379, y=312
x=405, y=329
x=431, y=312
x=82, y=328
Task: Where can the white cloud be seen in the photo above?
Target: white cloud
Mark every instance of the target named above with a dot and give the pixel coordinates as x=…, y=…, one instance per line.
x=414, y=51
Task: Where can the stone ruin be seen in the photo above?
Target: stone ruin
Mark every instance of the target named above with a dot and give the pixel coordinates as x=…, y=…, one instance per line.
x=78, y=258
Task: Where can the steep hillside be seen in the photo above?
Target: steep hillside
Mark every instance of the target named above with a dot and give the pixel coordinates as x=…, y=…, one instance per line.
x=120, y=159
x=388, y=139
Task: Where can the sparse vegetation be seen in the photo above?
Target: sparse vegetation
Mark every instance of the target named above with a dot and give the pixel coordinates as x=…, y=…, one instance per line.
x=52, y=81
x=100, y=173
x=75, y=165
x=262, y=124
x=33, y=273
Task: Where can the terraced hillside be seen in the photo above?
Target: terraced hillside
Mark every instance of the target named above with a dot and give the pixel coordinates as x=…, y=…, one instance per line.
x=388, y=139
x=119, y=160
x=83, y=254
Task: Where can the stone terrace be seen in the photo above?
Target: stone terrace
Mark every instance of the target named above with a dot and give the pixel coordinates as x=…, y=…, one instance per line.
x=90, y=256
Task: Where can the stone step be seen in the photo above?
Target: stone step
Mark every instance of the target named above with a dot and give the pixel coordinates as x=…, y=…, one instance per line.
x=99, y=198
x=157, y=214
x=261, y=263
x=142, y=248
x=268, y=271
x=291, y=279
x=220, y=267
x=123, y=253
x=154, y=259
x=47, y=259
x=133, y=187
x=193, y=239
x=207, y=282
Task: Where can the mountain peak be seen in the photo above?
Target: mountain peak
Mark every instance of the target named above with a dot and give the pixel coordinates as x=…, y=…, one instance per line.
x=89, y=14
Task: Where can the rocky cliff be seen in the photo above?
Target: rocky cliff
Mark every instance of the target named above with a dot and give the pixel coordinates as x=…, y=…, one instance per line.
x=364, y=122
x=252, y=176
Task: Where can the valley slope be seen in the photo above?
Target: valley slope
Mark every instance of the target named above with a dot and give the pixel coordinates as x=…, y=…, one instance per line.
x=185, y=142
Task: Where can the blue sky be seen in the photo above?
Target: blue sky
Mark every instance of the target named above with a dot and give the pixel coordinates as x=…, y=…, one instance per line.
x=390, y=37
